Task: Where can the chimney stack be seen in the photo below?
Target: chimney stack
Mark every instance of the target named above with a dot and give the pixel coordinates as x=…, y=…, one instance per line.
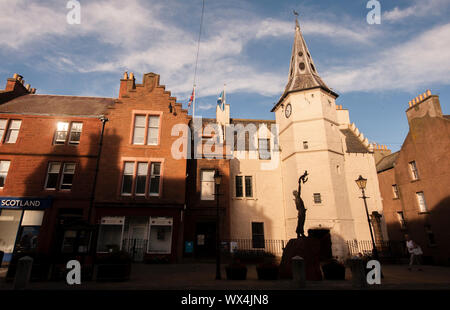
x=126, y=84
x=424, y=104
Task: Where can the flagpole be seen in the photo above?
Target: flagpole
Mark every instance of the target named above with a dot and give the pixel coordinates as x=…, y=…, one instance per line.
x=193, y=104
x=224, y=96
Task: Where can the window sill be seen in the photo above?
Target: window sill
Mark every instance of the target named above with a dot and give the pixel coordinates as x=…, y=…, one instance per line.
x=144, y=145
x=415, y=180
x=398, y=198
x=422, y=213
x=244, y=198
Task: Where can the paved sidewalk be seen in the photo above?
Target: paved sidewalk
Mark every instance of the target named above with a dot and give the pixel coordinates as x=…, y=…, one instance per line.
x=195, y=276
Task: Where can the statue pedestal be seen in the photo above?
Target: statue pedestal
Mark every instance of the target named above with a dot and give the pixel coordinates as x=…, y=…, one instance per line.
x=309, y=250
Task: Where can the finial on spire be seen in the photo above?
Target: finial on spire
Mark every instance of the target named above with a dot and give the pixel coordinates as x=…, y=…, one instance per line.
x=296, y=18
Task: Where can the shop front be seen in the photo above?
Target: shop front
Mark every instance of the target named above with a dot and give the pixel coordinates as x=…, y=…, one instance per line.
x=20, y=224
x=143, y=237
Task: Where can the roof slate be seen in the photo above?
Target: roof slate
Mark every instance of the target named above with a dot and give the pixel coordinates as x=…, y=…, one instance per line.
x=57, y=105
x=387, y=162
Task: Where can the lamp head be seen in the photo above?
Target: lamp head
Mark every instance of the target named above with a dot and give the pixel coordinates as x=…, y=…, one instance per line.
x=361, y=182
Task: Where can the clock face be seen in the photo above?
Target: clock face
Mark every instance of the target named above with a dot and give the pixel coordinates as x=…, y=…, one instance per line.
x=288, y=110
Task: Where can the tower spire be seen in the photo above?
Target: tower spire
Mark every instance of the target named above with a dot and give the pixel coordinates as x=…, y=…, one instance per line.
x=302, y=71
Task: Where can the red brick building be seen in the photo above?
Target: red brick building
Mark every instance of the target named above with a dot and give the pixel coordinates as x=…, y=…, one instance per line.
x=414, y=182
x=49, y=158
x=48, y=152
x=202, y=212
x=140, y=196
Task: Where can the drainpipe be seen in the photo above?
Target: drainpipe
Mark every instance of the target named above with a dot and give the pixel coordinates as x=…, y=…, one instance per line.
x=103, y=119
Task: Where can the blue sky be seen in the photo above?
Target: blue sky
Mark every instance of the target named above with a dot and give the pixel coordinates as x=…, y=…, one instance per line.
x=246, y=45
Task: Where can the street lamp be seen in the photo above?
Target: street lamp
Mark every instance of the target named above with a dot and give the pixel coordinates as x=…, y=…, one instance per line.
x=217, y=181
x=361, y=182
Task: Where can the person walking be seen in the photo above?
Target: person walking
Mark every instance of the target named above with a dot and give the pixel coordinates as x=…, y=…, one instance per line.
x=415, y=253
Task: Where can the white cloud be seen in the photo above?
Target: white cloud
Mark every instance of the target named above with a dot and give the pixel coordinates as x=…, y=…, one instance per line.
x=204, y=107
x=416, y=64
x=142, y=41
x=419, y=8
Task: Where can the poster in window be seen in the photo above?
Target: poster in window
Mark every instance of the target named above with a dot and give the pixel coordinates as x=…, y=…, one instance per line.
x=28, y=239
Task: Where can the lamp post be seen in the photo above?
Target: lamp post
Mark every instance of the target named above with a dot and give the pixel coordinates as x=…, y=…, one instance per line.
x=217, y=181
x=361, y=182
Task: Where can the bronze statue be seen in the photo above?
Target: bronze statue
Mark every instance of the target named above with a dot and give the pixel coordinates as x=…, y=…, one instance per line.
x=300, y=205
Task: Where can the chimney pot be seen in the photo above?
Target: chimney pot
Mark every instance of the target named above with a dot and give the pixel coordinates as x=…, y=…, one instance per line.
x=125, y=75
x=33, y=90
x=131, y=76
x=15, y=76
x=28, y=87
x=428, y=92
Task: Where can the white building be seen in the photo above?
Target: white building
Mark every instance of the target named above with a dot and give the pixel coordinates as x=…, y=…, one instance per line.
x=316, y=135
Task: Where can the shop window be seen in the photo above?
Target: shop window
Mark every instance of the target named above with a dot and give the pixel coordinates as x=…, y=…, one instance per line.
x=207, y=185
x=4, y=168
x=9, y=225
x=160, y=238
x=13, y=131
x=110, y=234
x=258, y=241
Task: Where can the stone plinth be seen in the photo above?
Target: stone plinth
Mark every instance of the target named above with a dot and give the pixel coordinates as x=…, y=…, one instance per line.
x=309, y=250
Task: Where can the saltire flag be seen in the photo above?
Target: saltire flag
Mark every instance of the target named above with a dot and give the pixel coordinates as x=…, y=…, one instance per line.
x=192, y=98
x=221, y=100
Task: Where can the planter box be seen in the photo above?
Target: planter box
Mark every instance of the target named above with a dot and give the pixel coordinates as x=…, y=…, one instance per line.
x=267, y=273
x=236, y=273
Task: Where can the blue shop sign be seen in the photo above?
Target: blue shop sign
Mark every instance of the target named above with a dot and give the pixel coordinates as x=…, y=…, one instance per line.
x=26, y=203
x=189, y=246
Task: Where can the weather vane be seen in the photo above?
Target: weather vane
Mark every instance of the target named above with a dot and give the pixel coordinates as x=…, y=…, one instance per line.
x=295, y=13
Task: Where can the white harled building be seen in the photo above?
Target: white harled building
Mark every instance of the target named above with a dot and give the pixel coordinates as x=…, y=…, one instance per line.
x=316, y=135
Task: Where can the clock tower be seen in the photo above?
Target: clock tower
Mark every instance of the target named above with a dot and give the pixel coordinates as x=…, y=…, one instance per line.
x=310, y=139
